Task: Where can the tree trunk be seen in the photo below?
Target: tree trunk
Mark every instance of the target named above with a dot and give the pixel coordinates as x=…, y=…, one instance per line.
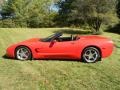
x=95, y=23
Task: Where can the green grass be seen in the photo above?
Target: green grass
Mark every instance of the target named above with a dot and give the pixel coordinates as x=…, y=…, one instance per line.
x=53, y=74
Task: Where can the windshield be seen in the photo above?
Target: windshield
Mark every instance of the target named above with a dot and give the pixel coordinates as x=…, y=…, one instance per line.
x=51, y=37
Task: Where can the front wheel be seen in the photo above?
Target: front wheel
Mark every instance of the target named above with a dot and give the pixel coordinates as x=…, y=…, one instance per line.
x=91, y=55
x=23, y=53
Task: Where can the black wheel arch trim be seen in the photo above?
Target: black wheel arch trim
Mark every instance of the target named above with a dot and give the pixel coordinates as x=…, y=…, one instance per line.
x=23, y=46
x=94, y=47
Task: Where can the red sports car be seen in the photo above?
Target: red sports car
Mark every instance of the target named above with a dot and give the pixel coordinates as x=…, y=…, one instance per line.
x=90, y=48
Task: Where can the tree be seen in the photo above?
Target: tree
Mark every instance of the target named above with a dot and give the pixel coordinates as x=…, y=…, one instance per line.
x=29, y=13
x=1, y=2
x=64, y=10
x=118, y=8
x=91, y=12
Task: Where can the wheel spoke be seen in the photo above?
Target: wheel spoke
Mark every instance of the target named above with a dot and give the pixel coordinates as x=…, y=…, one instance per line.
x=23, y=54
x=92, y=52
x=86, y=54
x=21, y=50
x=91, y=55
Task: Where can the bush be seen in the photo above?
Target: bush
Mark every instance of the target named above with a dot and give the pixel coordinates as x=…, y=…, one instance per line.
x=9, y=23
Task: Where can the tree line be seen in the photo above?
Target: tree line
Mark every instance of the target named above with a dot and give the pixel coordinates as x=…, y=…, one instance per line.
x=93, y=14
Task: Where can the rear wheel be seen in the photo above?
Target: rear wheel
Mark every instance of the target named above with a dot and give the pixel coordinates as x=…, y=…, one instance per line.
x=91, y=55
x=23, y=53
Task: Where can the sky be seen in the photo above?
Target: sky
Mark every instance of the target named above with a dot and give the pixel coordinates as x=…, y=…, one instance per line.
x=54, y=8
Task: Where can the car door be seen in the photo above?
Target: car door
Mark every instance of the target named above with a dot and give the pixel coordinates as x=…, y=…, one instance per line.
x=56, y=50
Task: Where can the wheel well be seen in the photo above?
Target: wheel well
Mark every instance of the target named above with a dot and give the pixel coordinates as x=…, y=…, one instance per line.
x=94, y=47
x=23, y=46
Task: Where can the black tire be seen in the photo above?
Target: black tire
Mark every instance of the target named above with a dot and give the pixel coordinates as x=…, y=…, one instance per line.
x=91, y=55
x=28, y=53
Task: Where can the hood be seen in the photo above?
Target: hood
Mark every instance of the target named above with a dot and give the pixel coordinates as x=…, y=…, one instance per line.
x=26, y=42
x=32, y=40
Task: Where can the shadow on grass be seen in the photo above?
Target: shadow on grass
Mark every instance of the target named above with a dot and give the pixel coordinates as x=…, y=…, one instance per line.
x=61, y=60
x=115, y=29
x=72, y=31
x=6, y=58
x=69, y=60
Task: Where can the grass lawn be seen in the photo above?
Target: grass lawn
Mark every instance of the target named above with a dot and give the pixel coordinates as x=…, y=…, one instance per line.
x=54, y=74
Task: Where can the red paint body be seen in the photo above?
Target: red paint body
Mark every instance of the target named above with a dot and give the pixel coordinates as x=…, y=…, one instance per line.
x=65, y=49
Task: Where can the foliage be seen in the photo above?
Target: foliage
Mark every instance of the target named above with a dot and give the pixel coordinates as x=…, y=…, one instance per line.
x=118, y=8
x=114, y=29
x=7, y=23
x=64, y=11
x=73, y=13
x=29, y=13
x=91, y=12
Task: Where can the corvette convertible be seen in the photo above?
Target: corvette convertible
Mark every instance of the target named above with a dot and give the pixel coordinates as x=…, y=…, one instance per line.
x=89, y=48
